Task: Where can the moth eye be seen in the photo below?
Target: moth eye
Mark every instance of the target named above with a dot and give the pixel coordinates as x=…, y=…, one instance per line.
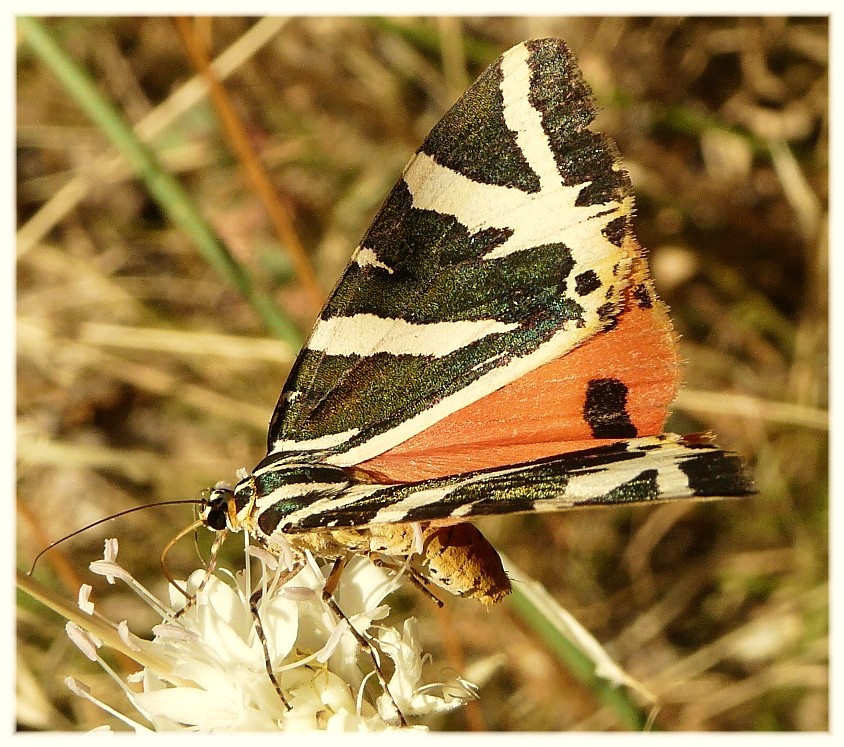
x=216, y=519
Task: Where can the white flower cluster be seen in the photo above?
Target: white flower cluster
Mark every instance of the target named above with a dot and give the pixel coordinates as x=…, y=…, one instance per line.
x=209, y=668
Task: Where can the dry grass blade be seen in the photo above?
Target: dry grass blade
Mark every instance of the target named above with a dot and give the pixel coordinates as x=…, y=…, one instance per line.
x=163, y=116
x=172, y=199
x=724, y=403
x=278, y=210
x=142, y=377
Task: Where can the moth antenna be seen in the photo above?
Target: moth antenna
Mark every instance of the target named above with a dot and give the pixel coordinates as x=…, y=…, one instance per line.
x=102, y=521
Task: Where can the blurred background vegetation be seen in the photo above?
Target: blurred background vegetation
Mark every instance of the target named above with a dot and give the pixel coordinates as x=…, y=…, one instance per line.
x=143, y=375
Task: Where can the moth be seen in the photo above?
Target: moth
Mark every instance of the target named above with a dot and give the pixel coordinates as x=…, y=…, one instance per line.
x=494, y=346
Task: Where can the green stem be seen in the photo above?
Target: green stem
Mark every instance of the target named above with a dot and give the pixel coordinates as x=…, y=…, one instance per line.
x=577, y=662
x=164, y=188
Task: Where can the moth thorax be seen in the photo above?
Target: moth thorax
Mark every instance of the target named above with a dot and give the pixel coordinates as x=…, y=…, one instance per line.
x=279, y=493
x=274, y=476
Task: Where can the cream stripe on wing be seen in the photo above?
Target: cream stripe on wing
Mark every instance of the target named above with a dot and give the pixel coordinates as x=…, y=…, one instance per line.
x=367, y=334
x=366, y=257
x=549, y=216
x=524, y=119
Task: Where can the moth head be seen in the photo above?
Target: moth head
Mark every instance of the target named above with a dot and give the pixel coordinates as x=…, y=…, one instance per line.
x=220, y=509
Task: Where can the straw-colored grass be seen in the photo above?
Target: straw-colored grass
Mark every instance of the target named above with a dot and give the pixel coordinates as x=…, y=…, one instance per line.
x=147, y=370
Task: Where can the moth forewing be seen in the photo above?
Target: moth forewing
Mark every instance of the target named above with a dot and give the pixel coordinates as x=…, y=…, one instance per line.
x=507, y=233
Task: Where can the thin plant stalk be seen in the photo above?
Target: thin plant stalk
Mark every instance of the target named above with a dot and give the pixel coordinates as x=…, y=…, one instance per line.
x=165, y=189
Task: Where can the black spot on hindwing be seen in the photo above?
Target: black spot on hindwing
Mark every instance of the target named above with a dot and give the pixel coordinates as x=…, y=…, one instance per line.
x=605, y=409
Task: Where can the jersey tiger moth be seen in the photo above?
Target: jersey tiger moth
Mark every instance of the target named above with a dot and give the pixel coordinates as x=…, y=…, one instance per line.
x=495, y=345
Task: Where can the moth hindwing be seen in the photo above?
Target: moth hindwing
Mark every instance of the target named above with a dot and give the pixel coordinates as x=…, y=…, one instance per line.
x=495, y=345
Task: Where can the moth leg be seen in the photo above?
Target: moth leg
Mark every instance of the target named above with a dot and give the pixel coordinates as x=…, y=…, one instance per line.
x=328, y=597
x=415, y=577
x=259, y=631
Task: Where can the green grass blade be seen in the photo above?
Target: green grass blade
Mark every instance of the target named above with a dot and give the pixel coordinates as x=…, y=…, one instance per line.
x=593, y=669
x=165, y=189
